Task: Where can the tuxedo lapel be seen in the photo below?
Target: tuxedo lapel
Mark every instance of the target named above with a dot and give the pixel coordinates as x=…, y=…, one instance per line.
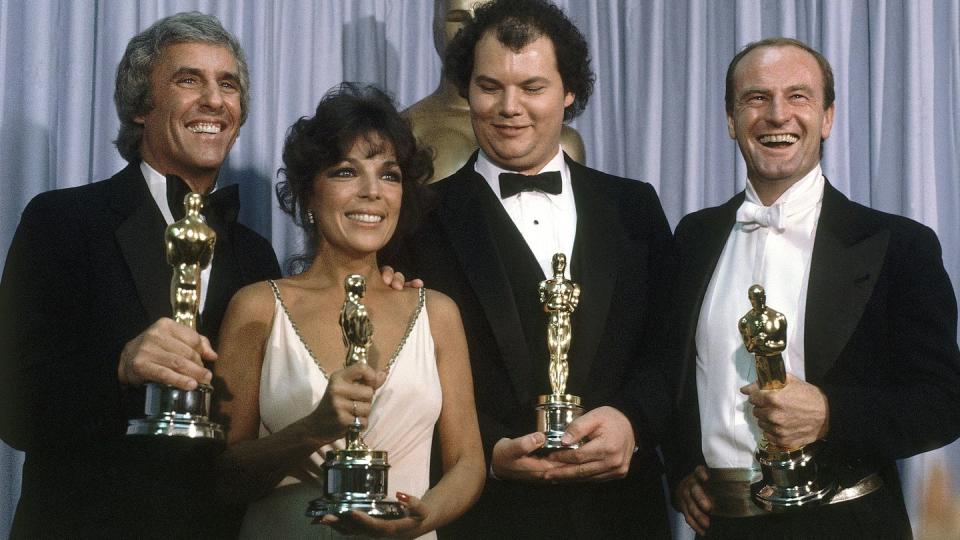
x=226, y=278
x=702, y=246
x=467, y=226
x=595, y=264
x=140, y=237
x=700, y=240
x=848, y=254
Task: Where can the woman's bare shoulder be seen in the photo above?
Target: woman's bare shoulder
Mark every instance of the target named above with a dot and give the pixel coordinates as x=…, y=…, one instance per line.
x=443, y=311
x=253, y=302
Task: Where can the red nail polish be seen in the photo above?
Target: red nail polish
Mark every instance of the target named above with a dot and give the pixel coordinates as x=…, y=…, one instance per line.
x=401, y=496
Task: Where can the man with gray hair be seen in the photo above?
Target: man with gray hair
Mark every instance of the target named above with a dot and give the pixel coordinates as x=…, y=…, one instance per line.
x=84, y=295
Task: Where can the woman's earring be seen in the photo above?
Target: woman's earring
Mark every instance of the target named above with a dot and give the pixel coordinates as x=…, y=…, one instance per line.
x=310, y=217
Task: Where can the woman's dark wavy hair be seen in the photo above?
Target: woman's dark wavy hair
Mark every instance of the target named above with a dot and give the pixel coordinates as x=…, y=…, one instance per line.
x=518, y=23
x=346, y=113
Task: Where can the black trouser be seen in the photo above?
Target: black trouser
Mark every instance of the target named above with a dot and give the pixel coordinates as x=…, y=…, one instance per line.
x=879, y=515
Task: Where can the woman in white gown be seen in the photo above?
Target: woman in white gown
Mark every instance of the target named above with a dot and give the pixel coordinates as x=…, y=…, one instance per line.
x=351, y=180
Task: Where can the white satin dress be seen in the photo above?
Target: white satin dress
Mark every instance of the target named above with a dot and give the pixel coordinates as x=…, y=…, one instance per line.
x=404, y=412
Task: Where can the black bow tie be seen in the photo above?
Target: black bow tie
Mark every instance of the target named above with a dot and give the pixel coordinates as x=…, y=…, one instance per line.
x=222, y=205
x=512, y=183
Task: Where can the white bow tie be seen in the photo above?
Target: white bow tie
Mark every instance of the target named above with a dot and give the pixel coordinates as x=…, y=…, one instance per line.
x=754, y=216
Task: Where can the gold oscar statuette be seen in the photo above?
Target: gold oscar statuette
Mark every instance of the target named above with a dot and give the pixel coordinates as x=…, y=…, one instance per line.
x=556, y=410
x=355, y=477
x=169, y=410
x=792, y=477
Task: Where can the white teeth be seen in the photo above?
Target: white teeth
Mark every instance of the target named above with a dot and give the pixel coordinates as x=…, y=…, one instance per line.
x=780, y=138
x=205, y=128
x=366, y=218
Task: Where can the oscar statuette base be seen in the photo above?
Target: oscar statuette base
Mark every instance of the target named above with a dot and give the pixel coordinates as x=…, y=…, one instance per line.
x=554, y=414
x=791, y=478
x=356, y=480
x=171, y=411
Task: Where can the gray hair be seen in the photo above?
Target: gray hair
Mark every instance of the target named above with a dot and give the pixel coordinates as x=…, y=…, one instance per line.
x=132, y=93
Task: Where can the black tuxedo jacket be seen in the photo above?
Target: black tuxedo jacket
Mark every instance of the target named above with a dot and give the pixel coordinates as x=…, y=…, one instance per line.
x=87, y=272
x=464, y=248
x=880, y=335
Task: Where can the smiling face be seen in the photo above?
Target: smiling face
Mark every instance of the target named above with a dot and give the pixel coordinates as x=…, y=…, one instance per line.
x=356, y=202
x=195, y=94
x=778, y=116
x=516, y=103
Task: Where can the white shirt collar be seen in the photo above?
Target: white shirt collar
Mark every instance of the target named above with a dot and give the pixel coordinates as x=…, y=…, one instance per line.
x=801, y=196
x=157, y=183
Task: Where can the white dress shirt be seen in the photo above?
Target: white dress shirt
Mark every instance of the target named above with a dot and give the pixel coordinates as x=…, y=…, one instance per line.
x=547, y=222
x=158, y=188
x=777, y=256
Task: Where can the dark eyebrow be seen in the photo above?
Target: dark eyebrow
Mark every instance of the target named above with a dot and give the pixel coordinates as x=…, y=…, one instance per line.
x=753, y=90
x=222, y=75
x=801, y=87
x=485, y=79
x=766, y=91
x=183, y=70
x=532, y=80
x=229, y=76
x=535, y=80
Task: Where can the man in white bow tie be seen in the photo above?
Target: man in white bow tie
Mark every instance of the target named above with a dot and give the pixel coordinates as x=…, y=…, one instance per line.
x=871, y=355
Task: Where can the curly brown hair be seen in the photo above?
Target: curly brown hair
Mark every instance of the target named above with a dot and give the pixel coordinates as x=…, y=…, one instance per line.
x=518, y=23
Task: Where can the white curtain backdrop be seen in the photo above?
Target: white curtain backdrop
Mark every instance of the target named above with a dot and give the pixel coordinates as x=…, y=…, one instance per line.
x=657, y=113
